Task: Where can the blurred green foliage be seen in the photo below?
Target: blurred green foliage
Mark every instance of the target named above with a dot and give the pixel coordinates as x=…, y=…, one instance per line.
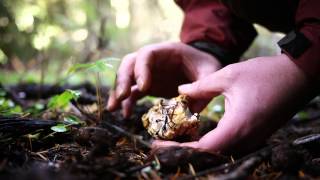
x=39, y=39
x=63, y=100
x=61, y=28
x=7, y=106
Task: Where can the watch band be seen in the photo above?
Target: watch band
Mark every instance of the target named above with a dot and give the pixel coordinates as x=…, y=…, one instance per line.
x=294, y=43
x=222, y=55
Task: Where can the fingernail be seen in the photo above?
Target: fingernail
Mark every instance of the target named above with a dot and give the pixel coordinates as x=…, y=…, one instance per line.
x=110, y=104
x=140, y=84
x=184, y=87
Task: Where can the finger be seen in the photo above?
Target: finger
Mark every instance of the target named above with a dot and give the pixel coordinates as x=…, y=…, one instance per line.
x=125, y=76
x=221, y=139
x=161, y=144
x=128, y=103
x=164, y=144
x=123, y=82
x=143, y=66
x=205, y=88
x=111, y=105
x=207, y=143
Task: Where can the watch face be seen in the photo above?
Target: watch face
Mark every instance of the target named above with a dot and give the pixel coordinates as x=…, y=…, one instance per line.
x=294, y=43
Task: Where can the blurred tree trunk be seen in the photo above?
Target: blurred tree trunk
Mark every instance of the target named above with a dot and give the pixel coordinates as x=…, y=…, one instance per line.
x=13, y=43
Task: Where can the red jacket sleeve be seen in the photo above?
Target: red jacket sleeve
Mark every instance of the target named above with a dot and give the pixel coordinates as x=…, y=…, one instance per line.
x=212, y=21
x=308, y=23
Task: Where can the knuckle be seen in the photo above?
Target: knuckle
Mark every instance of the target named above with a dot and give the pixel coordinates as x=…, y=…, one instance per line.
x=128, y=56
x=147, y=48
x=120, y=79
x=173, y=44
x=230, y=73
x=127, y=61
x=146, y=53
x=198, y=86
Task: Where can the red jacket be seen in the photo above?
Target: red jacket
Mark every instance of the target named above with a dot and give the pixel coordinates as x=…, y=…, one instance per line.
x=227, y=25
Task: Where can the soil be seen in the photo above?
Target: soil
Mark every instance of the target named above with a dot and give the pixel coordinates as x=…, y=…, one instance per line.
x=111, y=147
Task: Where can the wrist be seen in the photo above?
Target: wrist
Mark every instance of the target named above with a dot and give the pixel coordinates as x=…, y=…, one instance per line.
x=302, y=47
x=196, y=63
x=225, y=57
x=298, y=80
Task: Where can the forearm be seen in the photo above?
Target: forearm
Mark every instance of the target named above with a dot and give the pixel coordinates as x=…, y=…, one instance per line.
x=303, y=44
x=218, y=31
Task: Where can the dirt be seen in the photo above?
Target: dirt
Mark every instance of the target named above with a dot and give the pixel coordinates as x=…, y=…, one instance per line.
x=114, y=148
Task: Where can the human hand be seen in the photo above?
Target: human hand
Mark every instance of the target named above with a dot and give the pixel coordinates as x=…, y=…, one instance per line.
x=158, y=70
x=261, y=94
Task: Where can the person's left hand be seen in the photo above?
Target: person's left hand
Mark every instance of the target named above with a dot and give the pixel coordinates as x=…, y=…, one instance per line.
x=261, y=94
x=158, y=70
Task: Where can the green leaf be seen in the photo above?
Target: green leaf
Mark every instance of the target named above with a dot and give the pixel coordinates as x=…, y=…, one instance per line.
x=75, y=94
x=35, y=109
x=72, y=120
x=7, y=107
x=59, y=128
x=101, y=65
x=2, y=93
x=302, y=115
x=38, y=106
x=110, y=62
x=16, y=110
x=62, y=100
x=79, y=67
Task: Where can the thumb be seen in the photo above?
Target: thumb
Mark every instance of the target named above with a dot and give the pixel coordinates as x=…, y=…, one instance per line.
x=205, y=88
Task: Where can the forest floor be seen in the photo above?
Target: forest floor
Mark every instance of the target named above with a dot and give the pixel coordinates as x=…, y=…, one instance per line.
x=104, y=145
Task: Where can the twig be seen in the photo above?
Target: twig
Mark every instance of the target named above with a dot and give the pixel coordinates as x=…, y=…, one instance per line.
x=243, y=170
x=40, y=155
x=53, y=133
x=128, y=134
x=260, y=153
x=99, y=98
x=117, y=173
x=306, y=139
x=131, y=136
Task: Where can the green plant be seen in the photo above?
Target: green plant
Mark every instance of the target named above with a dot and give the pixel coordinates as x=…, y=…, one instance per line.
x=59, y=128
x=7, y=106
x=107, y=67
x=68, y=120
x=62, y=100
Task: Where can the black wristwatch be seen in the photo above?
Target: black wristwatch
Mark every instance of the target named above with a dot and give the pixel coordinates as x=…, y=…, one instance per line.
x=221, y=54
x=294, y=43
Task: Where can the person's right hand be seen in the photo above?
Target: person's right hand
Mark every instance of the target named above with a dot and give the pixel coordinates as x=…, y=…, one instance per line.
x=261, y=95
x=158, y=70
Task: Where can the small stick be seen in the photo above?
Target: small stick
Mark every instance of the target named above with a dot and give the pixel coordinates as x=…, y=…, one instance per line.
x=243, y=170
x=118, y=129
x=99, y=98
x=128, y=134
x=260, y=153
